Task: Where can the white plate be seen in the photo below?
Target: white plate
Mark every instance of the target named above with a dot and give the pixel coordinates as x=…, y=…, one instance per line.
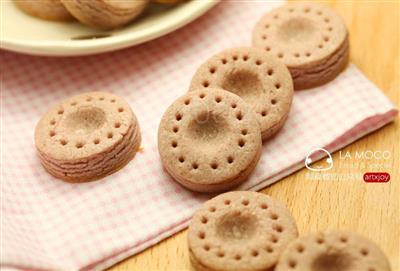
x=26, y=34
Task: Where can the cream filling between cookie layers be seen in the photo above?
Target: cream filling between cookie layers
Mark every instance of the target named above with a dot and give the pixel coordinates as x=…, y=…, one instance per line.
x=101, y=159
x=323, y=68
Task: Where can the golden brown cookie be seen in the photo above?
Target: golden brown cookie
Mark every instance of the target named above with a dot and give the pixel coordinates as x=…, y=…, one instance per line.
x=87, y=137
x=333, y=251
x=261, y=80
x=105, y=13
x=209, y=140
x=310, y=38
x=240, y=230
x=46, y=9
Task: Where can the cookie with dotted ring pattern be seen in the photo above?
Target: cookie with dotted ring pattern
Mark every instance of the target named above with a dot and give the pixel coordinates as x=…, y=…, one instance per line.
x=334, y=251
x=261, y=80
x=45, y=9
x=310, y=38
x=240, y=230
x=87, y=137
x=209, y=140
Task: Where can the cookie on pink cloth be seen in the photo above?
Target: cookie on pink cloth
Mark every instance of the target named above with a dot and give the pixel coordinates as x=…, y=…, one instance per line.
x=310, y=38
x=87, y=137
x=262, y=81
x=209, y=140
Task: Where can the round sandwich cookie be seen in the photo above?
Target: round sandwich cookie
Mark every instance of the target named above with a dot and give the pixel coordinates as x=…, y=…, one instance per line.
x=240, y=230
x=87, y=137
x=209, y=140
x=333, y=251
x=105, y=14
x=261, y=80
x=45, y=9
x=310, y=38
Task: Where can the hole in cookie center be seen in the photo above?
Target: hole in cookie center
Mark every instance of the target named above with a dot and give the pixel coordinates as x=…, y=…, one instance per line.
x=85, y=120
x=237, y=226
x=296, y=29
x=245, y=84
x=207, y=127
x=333, y=262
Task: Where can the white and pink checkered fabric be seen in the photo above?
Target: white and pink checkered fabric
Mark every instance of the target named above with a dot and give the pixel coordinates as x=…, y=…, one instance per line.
x=49, y=224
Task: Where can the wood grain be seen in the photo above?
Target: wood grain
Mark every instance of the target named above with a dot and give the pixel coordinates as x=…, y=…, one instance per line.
x=369, y=209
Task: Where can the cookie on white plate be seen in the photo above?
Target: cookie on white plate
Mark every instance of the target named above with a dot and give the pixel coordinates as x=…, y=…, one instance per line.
x=105, y=14
x=45, y=9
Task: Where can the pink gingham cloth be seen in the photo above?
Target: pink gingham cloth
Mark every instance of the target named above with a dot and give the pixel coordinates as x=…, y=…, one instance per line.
x=50, y=224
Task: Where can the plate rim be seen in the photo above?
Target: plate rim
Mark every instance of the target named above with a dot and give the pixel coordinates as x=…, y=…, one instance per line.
x=194, y=9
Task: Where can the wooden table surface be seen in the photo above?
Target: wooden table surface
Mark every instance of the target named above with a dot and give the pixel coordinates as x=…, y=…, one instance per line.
x=369, y=209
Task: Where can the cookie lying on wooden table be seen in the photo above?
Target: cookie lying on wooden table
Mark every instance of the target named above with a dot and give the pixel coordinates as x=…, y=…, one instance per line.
x=336, y=251
x=240, y=230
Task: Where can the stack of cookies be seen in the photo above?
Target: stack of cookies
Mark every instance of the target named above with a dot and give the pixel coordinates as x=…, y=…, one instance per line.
x=210, y=139
x=311, y=39
x=296, y=46
x=87, y=137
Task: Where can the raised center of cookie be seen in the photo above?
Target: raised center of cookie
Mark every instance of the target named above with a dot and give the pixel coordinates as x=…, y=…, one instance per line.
x=296, y=29
x=208, y=127
x=85, y=120
x=333, y=262
x=237, y=226
x=244, y=83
